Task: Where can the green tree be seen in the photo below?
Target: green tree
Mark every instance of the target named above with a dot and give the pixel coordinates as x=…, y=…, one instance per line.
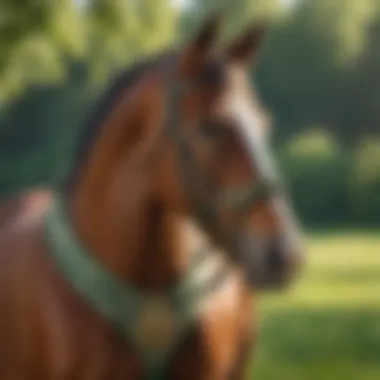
x=306, y=71
x=34, y=34
x=38, y=38
x=237, y=13
x=365, y=182
x=316, y=168
x=120, y=31
x=362, y=113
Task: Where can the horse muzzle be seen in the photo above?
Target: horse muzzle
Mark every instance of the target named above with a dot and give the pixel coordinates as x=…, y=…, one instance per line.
x=269, y=264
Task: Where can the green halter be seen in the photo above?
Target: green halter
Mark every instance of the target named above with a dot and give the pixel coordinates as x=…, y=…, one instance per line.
x=124, y=306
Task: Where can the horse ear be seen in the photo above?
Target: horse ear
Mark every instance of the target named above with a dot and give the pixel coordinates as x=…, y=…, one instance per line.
x=201, y=47
x=208, y=34
x=245, y=48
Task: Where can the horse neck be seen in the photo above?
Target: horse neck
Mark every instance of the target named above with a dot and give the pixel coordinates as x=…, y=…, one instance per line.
x=117, y=218
x=136, y=239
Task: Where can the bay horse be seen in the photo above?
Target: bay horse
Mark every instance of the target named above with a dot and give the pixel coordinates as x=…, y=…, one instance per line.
x=101, y=284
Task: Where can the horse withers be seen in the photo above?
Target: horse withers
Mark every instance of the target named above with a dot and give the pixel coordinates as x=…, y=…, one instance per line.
x=102, y=285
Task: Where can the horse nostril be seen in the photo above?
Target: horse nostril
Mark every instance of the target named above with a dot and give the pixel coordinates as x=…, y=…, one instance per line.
x=281, y=263
x=283, y=260
x=275, y=258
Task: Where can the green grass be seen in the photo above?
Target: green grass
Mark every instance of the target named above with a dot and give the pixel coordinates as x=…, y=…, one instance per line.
x=328, y=326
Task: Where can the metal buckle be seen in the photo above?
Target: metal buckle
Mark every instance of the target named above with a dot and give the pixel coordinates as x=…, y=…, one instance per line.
x=156, y=325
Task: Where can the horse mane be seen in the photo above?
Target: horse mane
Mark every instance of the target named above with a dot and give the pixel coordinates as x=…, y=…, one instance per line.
x=95, y=121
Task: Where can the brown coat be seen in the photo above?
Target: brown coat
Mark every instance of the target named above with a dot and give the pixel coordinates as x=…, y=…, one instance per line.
x=47, y=332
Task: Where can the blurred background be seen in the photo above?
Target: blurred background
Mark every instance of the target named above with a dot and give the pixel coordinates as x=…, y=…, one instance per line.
x=319, y=79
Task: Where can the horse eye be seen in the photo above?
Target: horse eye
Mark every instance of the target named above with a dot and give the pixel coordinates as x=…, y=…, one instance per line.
x=213, y=129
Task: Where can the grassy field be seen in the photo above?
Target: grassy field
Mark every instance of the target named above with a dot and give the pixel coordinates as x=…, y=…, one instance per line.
x=328, y=326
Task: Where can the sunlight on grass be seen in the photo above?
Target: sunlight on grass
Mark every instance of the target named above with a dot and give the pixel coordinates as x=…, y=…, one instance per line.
x=328, y=325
